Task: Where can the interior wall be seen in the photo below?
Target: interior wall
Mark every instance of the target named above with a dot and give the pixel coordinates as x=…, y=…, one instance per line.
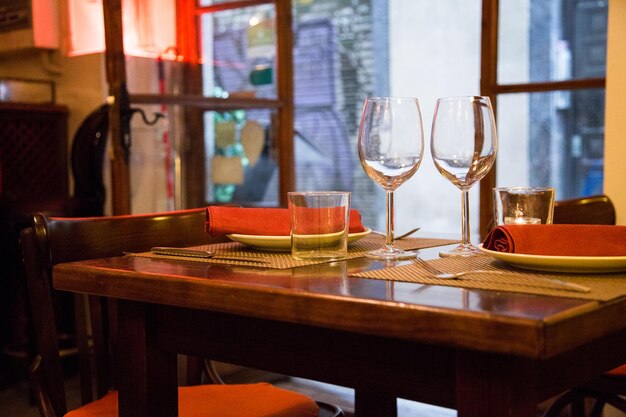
x=81, y=86
x=615, y=123
x=80, y=81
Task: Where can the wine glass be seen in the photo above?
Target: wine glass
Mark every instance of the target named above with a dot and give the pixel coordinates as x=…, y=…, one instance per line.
x=391, y=146
x=463, y=145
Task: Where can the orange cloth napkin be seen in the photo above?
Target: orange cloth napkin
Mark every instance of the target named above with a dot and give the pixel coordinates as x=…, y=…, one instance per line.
x=225, y=220
x=558, y=239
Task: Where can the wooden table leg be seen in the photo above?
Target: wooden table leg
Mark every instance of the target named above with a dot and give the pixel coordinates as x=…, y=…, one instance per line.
x=368, y=404
x=495, y=386
x=147, y=377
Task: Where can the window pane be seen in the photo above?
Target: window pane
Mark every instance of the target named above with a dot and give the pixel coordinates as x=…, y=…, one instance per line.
x=333, y=72
x=345, y=51
x=551, y=40
x=434, y=52
x=149, y=173
x=552, y=139
x=241, y=164
x=239, y=52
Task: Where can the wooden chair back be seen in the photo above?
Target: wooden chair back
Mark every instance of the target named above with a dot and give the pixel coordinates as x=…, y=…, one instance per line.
x=54, y=240
x=586, y=210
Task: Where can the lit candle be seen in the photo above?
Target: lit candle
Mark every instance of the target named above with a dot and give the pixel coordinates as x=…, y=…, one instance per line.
x=522, y=220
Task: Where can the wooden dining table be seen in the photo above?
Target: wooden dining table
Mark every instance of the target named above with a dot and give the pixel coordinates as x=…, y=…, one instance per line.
x=485, y=353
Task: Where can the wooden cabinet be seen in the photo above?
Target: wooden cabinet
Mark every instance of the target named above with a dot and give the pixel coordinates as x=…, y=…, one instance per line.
x=33, y=152
x=33, y=176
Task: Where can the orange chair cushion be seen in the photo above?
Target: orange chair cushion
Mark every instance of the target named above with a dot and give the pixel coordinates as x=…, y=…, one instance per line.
x=620, y=371
x=237, y=400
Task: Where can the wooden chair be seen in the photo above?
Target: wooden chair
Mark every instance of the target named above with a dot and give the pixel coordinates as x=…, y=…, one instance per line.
x=587, y=210
x=608, y=388
x=54, y=240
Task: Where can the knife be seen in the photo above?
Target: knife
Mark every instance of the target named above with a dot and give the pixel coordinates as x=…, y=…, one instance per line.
x=198, y=253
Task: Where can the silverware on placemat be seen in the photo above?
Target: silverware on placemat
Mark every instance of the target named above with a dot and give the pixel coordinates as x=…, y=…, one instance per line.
x=437, y=273
x=198, y=253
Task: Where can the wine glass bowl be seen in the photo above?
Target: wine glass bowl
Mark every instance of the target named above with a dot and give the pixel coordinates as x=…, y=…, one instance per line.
x=391, y=146
x=463, y=146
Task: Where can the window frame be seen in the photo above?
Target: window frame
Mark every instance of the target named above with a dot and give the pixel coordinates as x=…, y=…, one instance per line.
x=489, y=86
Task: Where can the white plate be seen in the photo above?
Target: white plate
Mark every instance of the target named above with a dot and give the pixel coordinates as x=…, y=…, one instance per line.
x=281, y=243
x=575, y=264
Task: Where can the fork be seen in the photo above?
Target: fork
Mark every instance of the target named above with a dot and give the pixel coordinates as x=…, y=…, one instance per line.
x=402, y=236
x=436, y=273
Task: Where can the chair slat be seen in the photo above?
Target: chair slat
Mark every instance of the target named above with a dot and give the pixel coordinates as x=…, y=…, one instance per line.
x=84, y=349
x=44, y=323
x=587, y=210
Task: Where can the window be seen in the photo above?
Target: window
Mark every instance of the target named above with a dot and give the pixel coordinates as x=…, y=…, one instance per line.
x=542, y=63
x=238, y=50
x=548, y=83
x=345, y=50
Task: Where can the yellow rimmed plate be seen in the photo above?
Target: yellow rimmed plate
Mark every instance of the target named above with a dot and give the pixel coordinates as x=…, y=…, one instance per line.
x=571, y=264
x=281, y=243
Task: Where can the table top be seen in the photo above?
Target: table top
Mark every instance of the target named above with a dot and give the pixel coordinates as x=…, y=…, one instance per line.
x=326, y=296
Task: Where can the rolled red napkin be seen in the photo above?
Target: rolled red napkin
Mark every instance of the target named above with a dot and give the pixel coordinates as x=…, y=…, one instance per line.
x=558, y=239
x=225, y=220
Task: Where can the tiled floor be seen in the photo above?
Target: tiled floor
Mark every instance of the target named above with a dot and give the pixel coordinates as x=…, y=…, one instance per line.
x=344, y=398
x=14, y=402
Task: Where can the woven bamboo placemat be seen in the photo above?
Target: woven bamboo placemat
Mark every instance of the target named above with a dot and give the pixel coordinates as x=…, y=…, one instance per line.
x=604, y=287
x=283, y=260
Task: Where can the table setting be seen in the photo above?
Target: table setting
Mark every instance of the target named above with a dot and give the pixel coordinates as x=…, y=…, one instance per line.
x=569, y=260
x=524, y=252
x=255, y=242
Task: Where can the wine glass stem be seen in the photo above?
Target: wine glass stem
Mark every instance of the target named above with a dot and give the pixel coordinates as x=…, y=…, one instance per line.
x=465, y=220
x=389, y=227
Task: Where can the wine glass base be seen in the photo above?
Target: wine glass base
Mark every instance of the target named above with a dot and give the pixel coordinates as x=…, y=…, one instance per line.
x=463, y=250
x=390, y=254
